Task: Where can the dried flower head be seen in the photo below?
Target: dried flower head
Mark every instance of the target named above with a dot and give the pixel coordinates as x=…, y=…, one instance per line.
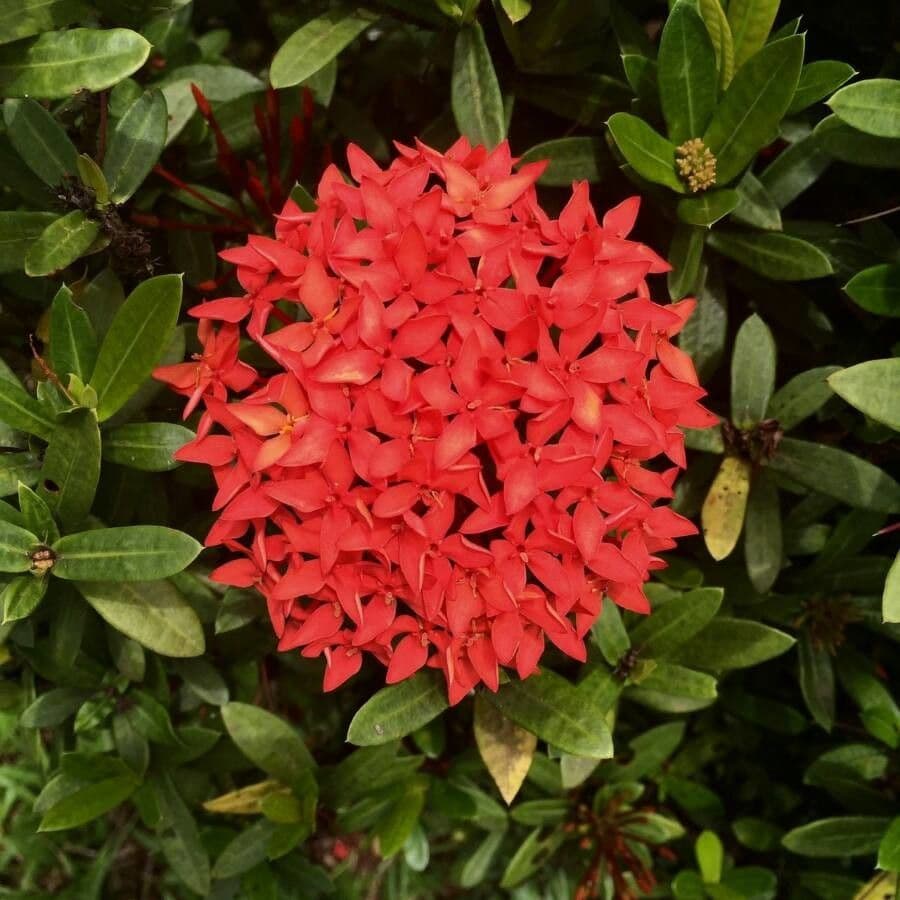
x=696, y=165
x=445, y=464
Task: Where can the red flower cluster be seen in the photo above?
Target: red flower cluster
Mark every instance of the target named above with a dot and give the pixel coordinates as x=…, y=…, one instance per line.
x=446, y=464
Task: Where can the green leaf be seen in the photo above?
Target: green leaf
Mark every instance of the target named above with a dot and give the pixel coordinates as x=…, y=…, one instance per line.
x=245, y=851
x=685, y=256
x=88, y=801
x=152, y=613
x=38, y=517
x=794, y=170
x=609, y=633
x=688, y=81
x=53, y=707
x=398, y=710
x=135, y=341
x=857, y=148
x=752, y=372
x=816, y=680
x=135, y=145
x=728, y=643
x=23, y=18
x=704, y=333
x=19, y=410
x=722, y=516
x=750, y=21
x=477, y=864
x=720, y=34
x=180, y=839
x=873, y=387
x=71, y=469
x=516, y=10
x=837, y=837
x=707, y=208
x=650, y=154
x=147, y=446
x=40, y=140
x=757, y=834
x=475, y=92
x=315, y=44
x=672, y=688
x=800, y=397
x=21, y=597
x=571, y=159
x=18, y=231
x=762, y=533
x=778, y=256
x=61, y=243
x=395, y=826
x=871, y=106
x=552, y=708
x=890, y=601
x=73, y=344
x=747, y=117
x=268, y=741
x=817, y=80
x=130, y=553
x=889, y=848
x=710, y=855
x=202, y=677
x=675, y=622
x=876, y=289
x=838, y=474
x=60, y=63
x=755, y=205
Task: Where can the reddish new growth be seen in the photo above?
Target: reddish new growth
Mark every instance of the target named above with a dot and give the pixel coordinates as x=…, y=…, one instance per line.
x=446, y=466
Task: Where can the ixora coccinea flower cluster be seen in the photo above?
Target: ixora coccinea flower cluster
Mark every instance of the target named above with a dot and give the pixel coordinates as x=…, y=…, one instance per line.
x=446, y=463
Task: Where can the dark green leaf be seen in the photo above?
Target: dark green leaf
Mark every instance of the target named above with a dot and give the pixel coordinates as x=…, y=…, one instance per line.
x=800, y=397
x=871, y=106
x=136, y=339
x=147, y=446
x=60, y=63
x=688, y=81
x=707, y=208
x=61, y=243
x=837, y=837
x=88, y=801
x=398, y=710
x=21, y=597
x=838, y=474
x=53, y=707
x=135, y=145
x=728, y=643
x=889, y=848
x=16, y=545
x=817, y=80
x=685, y=256
x=676, y=621
x=268, y=741
x=180, y=840
x=704, y=333
x=37, y=515
x=18, y=231
x=315, y=44
x=646, y=150
x=552, y=708
x=873, y=387
x=755, y=205
x=762, y=533
x=23, y=18
x=571, y=159
x=40, y=140
x=204, y=680
x=475, y=92
x=794, y=170
x=131, y=553
x=752, y=372
x=747, y=117
x=245, y=851
x=71, y=467
x=778, y=256
x=876, y=289
x=857, y=148
x=152, y=613
x=816, y=680
x=73, y=344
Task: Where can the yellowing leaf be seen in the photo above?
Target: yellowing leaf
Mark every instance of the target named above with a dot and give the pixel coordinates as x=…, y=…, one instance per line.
x=720, y=33
x=246, y=801
x=883, y=887
x=506, y=748
x=725, y=505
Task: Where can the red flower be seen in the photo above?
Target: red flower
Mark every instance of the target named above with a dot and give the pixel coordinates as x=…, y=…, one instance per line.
x=445, y=464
